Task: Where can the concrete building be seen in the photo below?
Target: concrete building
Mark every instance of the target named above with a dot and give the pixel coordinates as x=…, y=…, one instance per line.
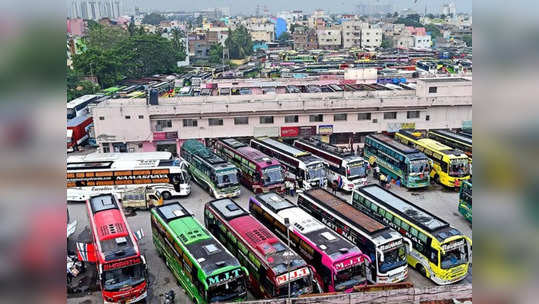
x=329, y=38
x=422, y=42
x=266, y=36
x=95, y=9
x=371, y=36
x=351, y=33
x=305, y=38
x=132, y=125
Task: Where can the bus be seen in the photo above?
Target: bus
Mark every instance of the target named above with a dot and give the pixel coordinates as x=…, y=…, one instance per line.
x=101, y=173
x=273, y=267
x=465, y=199
x=449, y=166
x=258, y=171
x=452, y=139
x=398, y=161
x=121, y=268
x=339, y=263
x=79, y=106
x=204, y=268
x=308, y=170
x=344, y=166
x=384, y=246
x=439, y=251
x=210, y=171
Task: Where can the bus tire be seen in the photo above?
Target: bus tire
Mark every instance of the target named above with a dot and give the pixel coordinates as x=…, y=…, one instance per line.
x=166, y=195
x=421, y=270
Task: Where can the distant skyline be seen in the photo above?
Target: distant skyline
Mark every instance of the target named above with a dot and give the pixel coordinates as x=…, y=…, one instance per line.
x=248, y=7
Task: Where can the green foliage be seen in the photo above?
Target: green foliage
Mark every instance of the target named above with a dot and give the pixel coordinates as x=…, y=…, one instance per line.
x=284, y=36
x=408, y=21
x=239, y=43
x=153, y=19
x=77, y=87
x=434, y=31
x=216, y=53
x=129, y=56
x=468, y=40
x=386, y=42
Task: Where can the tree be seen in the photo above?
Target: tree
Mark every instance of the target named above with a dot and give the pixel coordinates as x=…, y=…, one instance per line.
x=434, y=31
x=386, y=42
x=216, y=53
x=77, y=87
x=239, y=43
x=408, y=21
x=468, y=40
x=153, y=19
x=131, y=27
x=105, y=37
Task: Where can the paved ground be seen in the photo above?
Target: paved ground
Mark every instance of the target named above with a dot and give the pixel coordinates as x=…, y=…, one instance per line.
x=435, y=199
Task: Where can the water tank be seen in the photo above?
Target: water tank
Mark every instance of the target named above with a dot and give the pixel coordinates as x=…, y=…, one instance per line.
x=395, y=80
x=152, y=97
x=403, y=80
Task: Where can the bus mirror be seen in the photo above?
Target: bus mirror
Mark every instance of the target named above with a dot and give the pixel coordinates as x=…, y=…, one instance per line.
x=407, y=240
x=381, y=253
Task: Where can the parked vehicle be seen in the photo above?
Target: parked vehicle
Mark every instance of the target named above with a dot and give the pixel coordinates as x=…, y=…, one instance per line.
x=77, y=131
x=141, y=198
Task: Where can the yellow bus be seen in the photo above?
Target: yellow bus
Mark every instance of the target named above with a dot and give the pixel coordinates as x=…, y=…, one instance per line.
x=439, y=251
x=450, y=166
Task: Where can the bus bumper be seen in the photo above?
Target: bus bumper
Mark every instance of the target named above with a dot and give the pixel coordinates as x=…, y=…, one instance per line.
x=393, y=277
x=228, y=195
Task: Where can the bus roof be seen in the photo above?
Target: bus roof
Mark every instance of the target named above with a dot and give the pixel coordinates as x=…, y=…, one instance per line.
x=206, y=251
x=195, y=147
x=77, y=120
x=110, y=228
x=96, y=156
x=345, y=211
x=252, y=154
x=284, y=148
x=227, y=208
x=326, y=147
x=77, y=101
x=393, y=143
x=274, y=201
x=120, y=164
x=435, y=145
x=406, y=209
x=465, y=139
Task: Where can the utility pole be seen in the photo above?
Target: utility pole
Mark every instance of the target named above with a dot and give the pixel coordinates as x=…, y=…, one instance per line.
x=287, y=224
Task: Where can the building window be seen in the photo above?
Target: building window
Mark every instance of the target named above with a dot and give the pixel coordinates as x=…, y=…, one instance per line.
x=291, y=119
x=190, y=123
x=215, y=121
x=427, y=118
x=101, y=117
x=412, y=114
x=266, y=119
x=140, y=145
x=316, y=118
x=141, y=117
x=127, y=116
x=390, y=115
x=106, y=148
x=433, y=89
x=364, y=116
x=340, y=117
x=164, y=124
x=241, y=120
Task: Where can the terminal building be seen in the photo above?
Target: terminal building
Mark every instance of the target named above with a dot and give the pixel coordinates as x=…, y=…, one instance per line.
x=342, y=118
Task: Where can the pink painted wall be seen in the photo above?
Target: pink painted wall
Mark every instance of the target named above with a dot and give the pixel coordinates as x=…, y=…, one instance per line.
x=148, y=147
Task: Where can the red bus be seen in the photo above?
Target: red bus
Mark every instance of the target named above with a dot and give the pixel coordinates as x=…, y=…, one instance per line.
x=273, y=266
x=259, y=172
x=121, y=269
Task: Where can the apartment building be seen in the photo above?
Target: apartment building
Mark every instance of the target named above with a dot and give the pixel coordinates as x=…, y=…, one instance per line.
x=305, y=38
x=329, y=38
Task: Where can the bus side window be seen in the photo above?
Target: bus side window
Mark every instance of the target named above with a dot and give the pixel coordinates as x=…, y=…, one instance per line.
x=433, y=256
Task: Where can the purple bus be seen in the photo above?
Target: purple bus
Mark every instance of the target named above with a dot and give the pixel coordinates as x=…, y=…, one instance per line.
x=339, y=264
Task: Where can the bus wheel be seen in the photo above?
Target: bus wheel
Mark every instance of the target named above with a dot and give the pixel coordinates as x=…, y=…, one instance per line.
x=421, y=270
x=166, y=195
x=437, y=179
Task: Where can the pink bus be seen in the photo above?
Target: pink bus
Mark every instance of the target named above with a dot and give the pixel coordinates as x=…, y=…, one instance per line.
x=340, y=264
x=259, y=172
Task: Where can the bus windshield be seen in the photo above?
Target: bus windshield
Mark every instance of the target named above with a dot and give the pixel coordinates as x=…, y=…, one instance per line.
x=419, y=166
x=227, y=178
x=357, y=168
x=227, y=291
x=316, y=171
x=115, y=279
x=348, y=278
x=455, y=256
x=71, y=113
x=297, y=287
x=466, y=193
x=272, y=175
x=393, y=258
x=459, y=167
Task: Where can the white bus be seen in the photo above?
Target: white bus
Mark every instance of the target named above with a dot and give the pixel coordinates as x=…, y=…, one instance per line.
x=117, y=173
x=310, y=171
x=343, y=165
x=79, y=106
x=385, y=246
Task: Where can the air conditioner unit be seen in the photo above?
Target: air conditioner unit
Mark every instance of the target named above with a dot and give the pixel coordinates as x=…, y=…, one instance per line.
x=375, y=120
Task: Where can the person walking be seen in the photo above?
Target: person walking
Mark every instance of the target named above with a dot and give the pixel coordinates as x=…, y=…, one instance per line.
x=376, y=171
x=292, y=189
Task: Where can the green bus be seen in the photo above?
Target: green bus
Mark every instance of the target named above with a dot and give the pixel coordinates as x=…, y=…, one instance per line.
x=210, y=171
x=204, y=268
x=465, y=199
x=398, y=161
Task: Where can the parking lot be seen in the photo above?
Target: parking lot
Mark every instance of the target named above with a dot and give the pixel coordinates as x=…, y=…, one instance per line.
x=439, y=201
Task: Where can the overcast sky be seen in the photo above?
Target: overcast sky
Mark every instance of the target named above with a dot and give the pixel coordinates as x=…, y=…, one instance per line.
x=334, y=6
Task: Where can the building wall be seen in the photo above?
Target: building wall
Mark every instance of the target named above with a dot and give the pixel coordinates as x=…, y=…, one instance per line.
x=266, y=36
x=329, y=38
x=422, y=42
x=371, y=37
x=448, y=107
x=351, y=34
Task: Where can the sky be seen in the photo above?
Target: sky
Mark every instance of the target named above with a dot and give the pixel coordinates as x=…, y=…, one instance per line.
x=274, y=6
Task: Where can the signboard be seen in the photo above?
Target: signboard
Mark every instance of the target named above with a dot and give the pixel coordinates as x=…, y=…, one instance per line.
x=122, y=264
x=307, y=131
x=293, y=275
x=289, y=131
x=224, y=277
x=165, y=135
x=325, y=129
x=348, y=263
x=391, y=245
x=396, y=126
x=266, y=131
x=117, y=177
x=452, y=245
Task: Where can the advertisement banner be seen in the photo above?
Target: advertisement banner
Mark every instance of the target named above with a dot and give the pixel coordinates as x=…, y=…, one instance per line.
x=307, y=131
x=325, y=129
x=396, y=126
x=289, y=131
x=165, y=135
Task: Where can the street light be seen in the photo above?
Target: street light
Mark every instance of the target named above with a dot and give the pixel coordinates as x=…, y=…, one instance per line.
x=287, y=224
